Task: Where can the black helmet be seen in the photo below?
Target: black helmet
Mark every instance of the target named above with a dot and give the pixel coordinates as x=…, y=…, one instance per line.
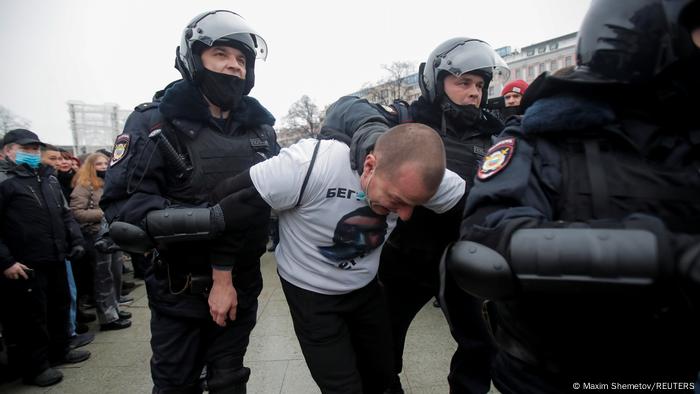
x=625, y=43
x=630, y=41
x=458, y=56
x=220, y=26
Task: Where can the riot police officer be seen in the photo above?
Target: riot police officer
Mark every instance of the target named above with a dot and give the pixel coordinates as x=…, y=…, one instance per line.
x=592, y=203
x=454, y=84
x=199, y=131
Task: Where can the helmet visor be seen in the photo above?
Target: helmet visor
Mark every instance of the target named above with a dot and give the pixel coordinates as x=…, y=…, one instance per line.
x=471, y=55
x=226, y=25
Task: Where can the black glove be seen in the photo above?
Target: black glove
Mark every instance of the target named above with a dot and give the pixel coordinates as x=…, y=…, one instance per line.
x=103, y=242
x=106, y=245
x=76, y=253
x=363, y=143
x=240, y=210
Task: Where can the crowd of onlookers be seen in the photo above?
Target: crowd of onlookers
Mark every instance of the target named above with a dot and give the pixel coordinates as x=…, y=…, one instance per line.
x=52, y=272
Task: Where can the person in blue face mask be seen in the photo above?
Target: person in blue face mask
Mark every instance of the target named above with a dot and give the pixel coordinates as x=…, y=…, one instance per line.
x=37, y=234
x=20, y=142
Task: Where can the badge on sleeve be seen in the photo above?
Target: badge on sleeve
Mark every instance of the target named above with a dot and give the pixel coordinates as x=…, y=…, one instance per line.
x=496, y=159
x=121, y=148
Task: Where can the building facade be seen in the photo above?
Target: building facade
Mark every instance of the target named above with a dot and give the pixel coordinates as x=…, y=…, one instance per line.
x=533, y=60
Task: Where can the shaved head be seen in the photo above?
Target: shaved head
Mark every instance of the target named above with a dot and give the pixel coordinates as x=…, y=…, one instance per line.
x=412, y=145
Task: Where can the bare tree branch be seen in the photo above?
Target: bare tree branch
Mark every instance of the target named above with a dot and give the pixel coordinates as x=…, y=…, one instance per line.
x=396, y=84
x=304, y=115
x=9, y=121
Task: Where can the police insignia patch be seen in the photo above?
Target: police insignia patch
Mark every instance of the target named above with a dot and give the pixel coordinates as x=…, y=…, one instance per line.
x=121, y=147
x=496, y=159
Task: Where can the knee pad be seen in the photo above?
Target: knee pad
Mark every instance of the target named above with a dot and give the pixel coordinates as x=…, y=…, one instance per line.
x=228, y=381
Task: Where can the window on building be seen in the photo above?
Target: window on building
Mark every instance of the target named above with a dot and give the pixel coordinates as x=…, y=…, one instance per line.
x=567, y=61
x=531, y=51
x=541, y=49
x=553, y=65
x=531, y=71
x=540, y=68
x=518, y=74
x=553, y=46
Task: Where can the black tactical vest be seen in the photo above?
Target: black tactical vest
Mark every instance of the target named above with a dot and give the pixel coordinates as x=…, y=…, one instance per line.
x=214, y=157
x=463, y=155
x=608, y=179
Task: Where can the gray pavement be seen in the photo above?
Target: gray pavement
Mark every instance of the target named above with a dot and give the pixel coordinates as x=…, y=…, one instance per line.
x=120, y=359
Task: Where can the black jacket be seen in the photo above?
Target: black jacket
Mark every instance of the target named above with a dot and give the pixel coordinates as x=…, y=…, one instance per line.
x=648, y=171
x=37, y=224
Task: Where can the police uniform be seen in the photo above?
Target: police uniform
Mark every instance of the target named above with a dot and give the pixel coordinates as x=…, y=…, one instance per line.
x=144, y=177
x=549, y=172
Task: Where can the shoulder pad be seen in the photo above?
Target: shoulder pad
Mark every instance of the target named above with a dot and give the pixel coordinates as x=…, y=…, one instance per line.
x=146, y=106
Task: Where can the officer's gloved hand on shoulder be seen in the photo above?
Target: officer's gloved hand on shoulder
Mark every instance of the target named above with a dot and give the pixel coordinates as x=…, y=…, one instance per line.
x=76, y=253
x=363, y=143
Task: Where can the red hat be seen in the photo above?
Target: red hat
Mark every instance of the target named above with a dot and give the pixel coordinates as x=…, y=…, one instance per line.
x=518, y=86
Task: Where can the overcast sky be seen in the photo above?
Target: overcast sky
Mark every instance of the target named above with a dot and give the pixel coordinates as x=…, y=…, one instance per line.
x=123, y=51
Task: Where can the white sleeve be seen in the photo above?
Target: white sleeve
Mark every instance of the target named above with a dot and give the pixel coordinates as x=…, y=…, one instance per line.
x=279, y=179
x=449, y=193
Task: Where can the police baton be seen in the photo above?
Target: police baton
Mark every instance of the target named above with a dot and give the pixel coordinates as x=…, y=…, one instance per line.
x=170, y=154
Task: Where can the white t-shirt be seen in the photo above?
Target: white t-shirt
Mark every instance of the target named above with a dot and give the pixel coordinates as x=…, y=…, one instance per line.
x=331, y=242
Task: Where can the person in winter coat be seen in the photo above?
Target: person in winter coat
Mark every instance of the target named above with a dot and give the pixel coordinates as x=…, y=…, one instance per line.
x=84, y=201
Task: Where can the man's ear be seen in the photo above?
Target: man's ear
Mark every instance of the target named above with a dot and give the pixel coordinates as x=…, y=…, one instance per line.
x=370, y=163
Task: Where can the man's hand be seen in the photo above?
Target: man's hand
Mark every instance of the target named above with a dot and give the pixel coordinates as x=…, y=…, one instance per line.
x=76, y=253
x=16, y=271
x=223, y=299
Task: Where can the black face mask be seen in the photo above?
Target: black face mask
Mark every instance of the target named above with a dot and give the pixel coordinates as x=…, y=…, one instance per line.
x=65, y=176
x=223, y=90
x=460, y=115
x=101, y=174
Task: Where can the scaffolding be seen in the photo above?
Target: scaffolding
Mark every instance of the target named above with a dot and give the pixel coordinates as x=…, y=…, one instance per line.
x=95, y=126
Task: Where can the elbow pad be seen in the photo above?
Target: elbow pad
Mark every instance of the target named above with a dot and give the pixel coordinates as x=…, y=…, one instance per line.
x=557, y=261
x=182, y=224
x=479, y=270
x=564, y=260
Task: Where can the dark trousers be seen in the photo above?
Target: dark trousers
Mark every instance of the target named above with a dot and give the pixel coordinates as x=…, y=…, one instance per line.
x=84, y=269
x=345, y=339
x=183, y=346
x=140, y=264
x=34, y=315
x=410, y=280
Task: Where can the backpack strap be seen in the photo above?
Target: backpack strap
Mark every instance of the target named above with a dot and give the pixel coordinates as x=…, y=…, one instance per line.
x=308, y=172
